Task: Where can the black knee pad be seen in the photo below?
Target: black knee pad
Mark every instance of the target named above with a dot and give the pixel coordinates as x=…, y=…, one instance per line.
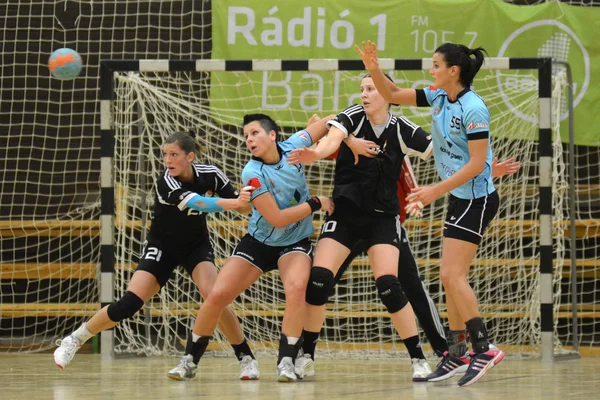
x=391, y=294
x=125, y=308
x=319, y=286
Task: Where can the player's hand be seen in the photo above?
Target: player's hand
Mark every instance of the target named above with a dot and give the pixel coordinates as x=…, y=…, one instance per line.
x=327, y=204
x=368, y=53
x=244, y=197
x=362, y=147
x=422, y=196
x=414, y=210
x=303, y=155
x=313, y=119
x=506, y=167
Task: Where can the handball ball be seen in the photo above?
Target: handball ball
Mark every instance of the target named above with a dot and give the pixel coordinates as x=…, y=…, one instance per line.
x=64, y=64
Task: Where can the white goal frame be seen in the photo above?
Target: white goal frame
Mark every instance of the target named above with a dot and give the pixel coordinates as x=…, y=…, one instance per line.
x=107, y=150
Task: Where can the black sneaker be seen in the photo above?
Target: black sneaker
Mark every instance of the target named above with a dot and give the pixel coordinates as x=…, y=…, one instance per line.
x=480, y=363
x=448, y=367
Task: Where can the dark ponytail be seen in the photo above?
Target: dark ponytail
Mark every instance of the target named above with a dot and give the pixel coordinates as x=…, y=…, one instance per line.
x=460, y=55
x=186, y=142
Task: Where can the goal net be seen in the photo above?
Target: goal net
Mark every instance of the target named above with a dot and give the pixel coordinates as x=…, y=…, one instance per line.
x=505, y=274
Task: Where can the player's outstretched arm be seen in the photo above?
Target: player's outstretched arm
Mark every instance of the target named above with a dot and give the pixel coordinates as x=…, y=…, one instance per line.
x=390, y=92
x=317, y=127
x=325, y=147
x=266, y=205
x=215, y=204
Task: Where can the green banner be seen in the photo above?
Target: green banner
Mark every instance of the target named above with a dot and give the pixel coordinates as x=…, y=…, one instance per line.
x=271, y=29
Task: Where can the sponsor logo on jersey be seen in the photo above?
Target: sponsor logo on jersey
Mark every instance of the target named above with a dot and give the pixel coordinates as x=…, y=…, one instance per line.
x=303, y=136
x=476, y=125
x=452, y=155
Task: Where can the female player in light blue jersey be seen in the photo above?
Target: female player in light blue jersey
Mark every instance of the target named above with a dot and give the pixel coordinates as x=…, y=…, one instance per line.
x=277, y=238
x=463, y=159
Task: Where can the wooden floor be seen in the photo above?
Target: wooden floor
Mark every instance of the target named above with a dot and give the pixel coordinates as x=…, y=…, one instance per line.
x=25, y=377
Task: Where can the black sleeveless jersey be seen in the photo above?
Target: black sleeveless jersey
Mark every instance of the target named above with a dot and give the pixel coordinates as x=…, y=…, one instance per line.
x=174, y=224
x=372, y=184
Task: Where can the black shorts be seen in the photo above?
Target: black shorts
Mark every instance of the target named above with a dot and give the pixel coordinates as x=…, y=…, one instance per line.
x=467, y=219
x=360, y=248
x=265, y=257
x=348, y=225
x=161, y=261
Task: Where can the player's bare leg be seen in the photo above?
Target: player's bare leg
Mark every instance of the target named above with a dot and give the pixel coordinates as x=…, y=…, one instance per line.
x=457, y=256
x=294, y=269
x=205, y=276
x=142, y=287
x=329, y=256
x=384, y=262
x=235, y=277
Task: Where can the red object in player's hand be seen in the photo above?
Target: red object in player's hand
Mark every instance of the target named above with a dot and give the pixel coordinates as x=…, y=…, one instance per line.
x=254, y=183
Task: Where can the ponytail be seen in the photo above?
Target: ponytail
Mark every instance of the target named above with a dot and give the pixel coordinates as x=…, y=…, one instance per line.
x=460, y=55
x=186, y=141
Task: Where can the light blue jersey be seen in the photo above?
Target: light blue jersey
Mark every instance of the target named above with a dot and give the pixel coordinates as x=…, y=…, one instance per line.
x=287, y=185
x=454, y=124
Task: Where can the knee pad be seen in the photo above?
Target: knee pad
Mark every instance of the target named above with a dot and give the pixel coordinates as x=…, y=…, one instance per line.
x=125, y=308
x=319, y=286
x=390, y=293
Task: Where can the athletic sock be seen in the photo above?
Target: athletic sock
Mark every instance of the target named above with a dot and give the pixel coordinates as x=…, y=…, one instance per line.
x=241, y=350
x=413, y=345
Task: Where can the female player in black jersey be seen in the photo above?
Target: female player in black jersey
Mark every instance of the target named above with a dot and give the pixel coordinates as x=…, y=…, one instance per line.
x=463, y=158
x=178, y=236
x=365, y=195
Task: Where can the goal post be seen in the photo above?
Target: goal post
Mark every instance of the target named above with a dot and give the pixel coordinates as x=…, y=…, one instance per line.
x=542, y=163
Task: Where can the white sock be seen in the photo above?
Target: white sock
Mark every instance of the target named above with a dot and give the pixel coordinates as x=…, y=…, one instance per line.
x=195, y=337
x=82, y=334
x=292, y=340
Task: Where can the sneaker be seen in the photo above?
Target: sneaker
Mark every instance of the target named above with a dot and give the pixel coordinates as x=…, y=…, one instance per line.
x=421, y=369
x=285, y=370
x=186, y=369
x=480, y=363
x=249, y=369
x=66, y=350
x=448, y=367
x=305, y=366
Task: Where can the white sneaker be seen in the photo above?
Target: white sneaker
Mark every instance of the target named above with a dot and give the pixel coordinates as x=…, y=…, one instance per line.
x=66, y=350
x=249, y=369
x=421, y=370
x=186, y=369
x=305, y=366
x=285, y=370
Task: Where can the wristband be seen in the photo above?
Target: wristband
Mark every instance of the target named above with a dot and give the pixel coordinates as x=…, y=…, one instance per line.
x=314, y=203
